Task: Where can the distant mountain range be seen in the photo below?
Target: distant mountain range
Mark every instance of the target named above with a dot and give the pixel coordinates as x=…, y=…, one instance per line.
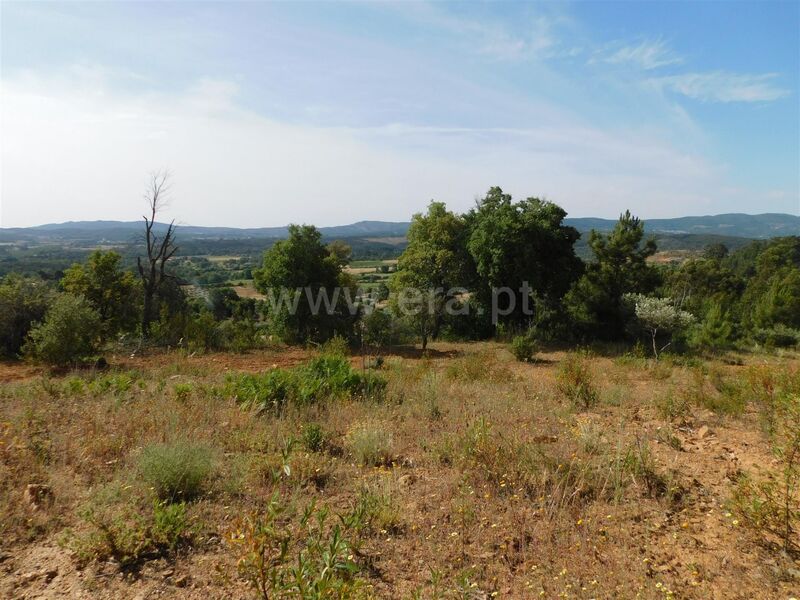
x=730, y=225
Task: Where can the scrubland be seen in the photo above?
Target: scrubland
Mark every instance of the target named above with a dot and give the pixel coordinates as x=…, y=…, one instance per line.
x=458, y=473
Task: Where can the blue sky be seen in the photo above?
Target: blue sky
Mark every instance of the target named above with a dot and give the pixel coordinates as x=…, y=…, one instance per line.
x=327, y=113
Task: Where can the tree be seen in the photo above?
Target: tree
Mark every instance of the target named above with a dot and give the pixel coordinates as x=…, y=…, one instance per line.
x=114, y=293
x=513, y=244
x=619, y=267
x=160, y=248
x=659, y=316
x=23, y=302
x=304, y=283
x=341, y=252
x=432, y=268
x=69, y=334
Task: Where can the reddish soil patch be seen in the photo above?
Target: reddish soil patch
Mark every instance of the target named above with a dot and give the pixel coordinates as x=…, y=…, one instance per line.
x=16, y=371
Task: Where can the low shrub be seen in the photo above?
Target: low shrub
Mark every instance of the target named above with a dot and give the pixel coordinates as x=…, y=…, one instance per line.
x=324, y=377
x=371, y=443
x=575, y=380
x=523, y=347
x=126, y=533
x=176, y=471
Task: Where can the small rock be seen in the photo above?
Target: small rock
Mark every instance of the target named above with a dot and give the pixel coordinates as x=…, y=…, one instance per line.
x=703, y=432
x=181, y=581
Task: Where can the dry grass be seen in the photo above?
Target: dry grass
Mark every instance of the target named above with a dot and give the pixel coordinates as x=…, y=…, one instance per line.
x=475, y=477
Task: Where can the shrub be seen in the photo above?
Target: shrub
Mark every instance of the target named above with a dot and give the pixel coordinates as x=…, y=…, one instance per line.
x=313, y=437
x=523, y=347
x=68, y=335
x=23, y=302
x=324, y=377
x=779, y=336
x=575, y=381
x=371, y=443
x=176, y=471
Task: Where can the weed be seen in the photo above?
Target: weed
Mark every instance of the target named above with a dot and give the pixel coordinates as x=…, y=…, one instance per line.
x=575, y=380
x=310, y=562
x=313, y=437
x=182, y=391
x=772, y=504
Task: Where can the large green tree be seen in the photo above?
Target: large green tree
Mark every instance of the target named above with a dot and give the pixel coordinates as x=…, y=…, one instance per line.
x=517, y=243
x=433, y=271
x=113, y=292
x=619, y=267
x=306, y=287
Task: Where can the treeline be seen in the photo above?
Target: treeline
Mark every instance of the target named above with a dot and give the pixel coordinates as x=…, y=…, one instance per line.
x=505, y=269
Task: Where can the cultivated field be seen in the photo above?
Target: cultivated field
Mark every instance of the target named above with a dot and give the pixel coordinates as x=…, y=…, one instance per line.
x=471, y=476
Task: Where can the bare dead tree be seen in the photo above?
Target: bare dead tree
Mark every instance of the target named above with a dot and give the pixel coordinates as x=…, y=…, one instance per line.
x=160, y=248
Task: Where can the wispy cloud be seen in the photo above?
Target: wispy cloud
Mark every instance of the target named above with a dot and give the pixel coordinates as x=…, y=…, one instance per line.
x=722, y=86
x=647, y=55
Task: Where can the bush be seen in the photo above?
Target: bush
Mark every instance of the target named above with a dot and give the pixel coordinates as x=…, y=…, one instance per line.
x=371, y=443
x=23, y=302
x=326, y=376
x=176, y=471
x=68, y=335
x=575, y=381
x=779, y=336
x=523, y=347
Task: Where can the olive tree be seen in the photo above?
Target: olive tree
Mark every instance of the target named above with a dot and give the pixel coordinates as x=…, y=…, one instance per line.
x=659, y=316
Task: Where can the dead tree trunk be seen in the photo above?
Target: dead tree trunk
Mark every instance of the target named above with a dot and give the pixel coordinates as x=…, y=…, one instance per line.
x=152, y=268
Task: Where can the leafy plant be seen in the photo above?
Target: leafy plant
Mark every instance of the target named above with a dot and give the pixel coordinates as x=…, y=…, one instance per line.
x=311, y=561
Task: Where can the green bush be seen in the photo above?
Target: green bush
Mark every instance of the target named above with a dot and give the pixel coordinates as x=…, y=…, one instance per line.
x=523, y=347
x=324, y=377
x=575, y=380
x=176, y=471
x=23, y=302
x=779, y=336
x=68, y=335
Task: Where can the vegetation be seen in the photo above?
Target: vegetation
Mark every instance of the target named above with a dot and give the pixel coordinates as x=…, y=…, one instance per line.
x=601, y=428
x=69, y=334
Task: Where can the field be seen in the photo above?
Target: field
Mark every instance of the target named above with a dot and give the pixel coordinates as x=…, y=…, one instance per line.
x=473, y=476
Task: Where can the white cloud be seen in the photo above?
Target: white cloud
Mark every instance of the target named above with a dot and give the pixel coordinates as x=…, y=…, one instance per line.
x=721, y=86
x=647, y=55
x=73, y=150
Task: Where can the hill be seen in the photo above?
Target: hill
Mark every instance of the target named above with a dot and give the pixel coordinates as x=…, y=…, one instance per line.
x=729, y=225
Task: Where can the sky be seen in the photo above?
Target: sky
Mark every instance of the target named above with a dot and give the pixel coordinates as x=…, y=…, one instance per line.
x=329, y=113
